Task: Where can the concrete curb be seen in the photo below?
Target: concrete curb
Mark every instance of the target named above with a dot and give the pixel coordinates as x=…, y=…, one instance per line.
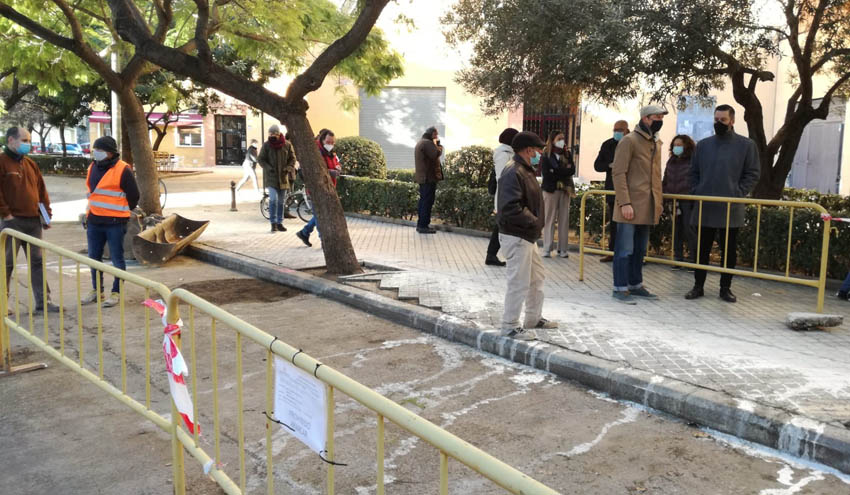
x=769, y=426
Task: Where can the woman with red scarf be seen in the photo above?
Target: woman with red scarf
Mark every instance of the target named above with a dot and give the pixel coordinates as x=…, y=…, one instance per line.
x=325, y=141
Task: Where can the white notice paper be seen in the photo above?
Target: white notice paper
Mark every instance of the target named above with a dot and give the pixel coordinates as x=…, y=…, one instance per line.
x=300, y=403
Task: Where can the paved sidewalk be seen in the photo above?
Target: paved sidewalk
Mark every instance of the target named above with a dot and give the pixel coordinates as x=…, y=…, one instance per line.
x=741, y=349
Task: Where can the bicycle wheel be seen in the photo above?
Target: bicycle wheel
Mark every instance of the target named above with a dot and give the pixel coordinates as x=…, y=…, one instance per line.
x=291, y=201
x=305, y=210
x=163, y=194
x=264, y=206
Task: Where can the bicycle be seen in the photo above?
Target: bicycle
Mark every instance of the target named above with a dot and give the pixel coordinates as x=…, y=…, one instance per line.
x=299, y=199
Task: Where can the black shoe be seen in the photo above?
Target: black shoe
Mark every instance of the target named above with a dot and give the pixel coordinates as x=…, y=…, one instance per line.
x=426, y=230
x=280, y=227
x=606, y=259
x=306, y=240
x=286, y=214
x=274, y=228
x=695, y=293
x=494, y=261
x=726, y=295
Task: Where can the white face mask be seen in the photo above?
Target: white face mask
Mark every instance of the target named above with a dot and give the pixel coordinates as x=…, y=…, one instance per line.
x=559, y=143
x=98, y=155
x=329, y=147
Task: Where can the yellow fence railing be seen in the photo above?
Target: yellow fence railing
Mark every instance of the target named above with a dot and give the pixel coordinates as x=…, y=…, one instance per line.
x=818, y=283
x=122, y=382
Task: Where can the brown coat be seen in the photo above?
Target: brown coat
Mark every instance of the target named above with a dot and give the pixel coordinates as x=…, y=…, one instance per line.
x=21, y=187
x=427, y=159
x=636, y=173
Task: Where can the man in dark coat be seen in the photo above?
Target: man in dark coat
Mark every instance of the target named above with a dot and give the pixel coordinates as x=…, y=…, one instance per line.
x=726, y=165
x=603, y=163
x=521, y=218
x=277, y=157
x=428, y=172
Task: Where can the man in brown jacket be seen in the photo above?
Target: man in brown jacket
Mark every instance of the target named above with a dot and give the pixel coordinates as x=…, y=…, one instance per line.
x=637, y=184
x=428, y=173
x=21, y=190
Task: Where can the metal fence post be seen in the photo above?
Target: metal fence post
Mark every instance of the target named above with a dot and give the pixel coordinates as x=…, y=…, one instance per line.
x=232, y=195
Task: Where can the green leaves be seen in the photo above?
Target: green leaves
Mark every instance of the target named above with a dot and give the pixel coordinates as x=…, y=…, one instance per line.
x=361, y=157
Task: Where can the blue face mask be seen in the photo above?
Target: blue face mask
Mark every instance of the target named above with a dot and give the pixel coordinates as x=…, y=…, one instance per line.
x=678, y=150
x=23, y=148
x=618, y=135
x=535, y=160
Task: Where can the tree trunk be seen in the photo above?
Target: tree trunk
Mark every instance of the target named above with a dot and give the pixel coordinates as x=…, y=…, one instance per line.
x=136, y=127
x=160, y=135
x=771, y=183
x=126, y=149
x=340, y=257
x=62, y=140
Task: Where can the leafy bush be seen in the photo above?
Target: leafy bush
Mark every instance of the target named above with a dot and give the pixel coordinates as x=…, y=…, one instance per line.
x=401, y=174
x=51, y=164
x=470, y=166
x=361, y=157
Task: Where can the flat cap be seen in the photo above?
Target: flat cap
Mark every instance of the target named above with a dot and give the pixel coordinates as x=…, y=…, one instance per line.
x=652, y=110
x=526, y=139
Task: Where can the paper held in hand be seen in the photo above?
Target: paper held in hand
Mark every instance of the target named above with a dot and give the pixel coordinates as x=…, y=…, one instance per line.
x=301, y=404
x=45, y=218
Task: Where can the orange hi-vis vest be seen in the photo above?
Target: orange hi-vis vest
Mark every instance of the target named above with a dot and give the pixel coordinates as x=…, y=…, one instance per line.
x=107, y=199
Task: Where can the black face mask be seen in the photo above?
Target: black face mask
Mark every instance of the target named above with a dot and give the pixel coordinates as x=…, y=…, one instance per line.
x=656, y=126
x=720, y=128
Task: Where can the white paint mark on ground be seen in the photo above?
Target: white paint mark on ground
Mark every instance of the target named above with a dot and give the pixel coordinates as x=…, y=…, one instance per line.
x=786, y=477
x=630, y=415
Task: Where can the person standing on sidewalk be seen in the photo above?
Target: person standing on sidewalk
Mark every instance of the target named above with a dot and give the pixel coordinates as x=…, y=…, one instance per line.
x=638, y=203
x=249, y=166
x=112, y=193
x=677, y=180
x=22, y=190
x=502, y=155
x=325, y=141
x=558, y=189
x=278, y=161
x=603, y=163
x=521, y=219
x=428, y=172
x=727, y=165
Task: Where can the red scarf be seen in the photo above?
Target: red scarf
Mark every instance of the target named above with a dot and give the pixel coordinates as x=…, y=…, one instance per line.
x=277, y=143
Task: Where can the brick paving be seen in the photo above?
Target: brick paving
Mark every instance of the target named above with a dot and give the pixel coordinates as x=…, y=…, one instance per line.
x=742, y=349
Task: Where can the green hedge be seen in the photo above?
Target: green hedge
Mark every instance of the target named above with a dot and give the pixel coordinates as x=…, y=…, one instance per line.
x=401, y=174
x=361, y=157
x=470, y=166
x=51, y=164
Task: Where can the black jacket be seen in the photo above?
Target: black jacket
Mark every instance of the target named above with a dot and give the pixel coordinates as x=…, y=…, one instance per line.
x=555, y=170
x=520, y=201
x=603, y=164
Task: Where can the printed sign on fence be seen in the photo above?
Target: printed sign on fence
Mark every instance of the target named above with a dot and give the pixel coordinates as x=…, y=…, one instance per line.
x=300, y=403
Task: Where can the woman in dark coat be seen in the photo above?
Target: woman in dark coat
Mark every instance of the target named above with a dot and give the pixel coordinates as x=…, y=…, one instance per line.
x=558, y=170
x=677, y=181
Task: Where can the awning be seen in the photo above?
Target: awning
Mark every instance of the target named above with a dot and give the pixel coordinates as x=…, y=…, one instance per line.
x=182, y=119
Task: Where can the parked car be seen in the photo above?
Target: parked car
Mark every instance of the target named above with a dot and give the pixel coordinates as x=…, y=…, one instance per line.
x=71, y=149
x=86, y=148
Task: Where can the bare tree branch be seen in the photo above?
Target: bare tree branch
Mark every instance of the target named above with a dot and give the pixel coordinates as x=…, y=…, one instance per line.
x=42, y=32
x=201, y=31
x=311, y=79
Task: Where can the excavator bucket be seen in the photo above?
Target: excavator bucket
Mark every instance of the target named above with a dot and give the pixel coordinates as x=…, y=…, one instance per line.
x=157, y=245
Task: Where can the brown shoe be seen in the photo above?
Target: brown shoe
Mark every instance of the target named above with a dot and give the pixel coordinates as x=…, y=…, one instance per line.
x=606, y=259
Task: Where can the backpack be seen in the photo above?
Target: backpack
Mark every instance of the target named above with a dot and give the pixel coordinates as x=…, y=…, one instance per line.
x=491, y=182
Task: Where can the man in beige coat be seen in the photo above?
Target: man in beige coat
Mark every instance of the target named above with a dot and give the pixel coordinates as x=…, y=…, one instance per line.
x=636, y=173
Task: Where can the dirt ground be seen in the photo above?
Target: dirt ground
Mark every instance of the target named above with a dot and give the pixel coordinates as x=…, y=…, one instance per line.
x=62, y=435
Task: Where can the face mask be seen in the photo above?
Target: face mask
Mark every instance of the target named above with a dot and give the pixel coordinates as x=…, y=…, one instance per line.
x=329, y=147
x=23, y=148
x=678, y=150
x=536, y=158
x=618, y=135
x=98, y=155
x=559, y=143
x=656, y=126
x=720, y=128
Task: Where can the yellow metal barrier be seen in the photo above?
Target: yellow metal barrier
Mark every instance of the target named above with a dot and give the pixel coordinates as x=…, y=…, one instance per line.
x=819, y=283
x=448, y=445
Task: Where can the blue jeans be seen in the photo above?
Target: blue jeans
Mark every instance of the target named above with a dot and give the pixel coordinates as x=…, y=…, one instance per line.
x=98, y=236
x=845, y=286
x=427, y=194
x=629, y=250
x=276, y=199
x=312, y=224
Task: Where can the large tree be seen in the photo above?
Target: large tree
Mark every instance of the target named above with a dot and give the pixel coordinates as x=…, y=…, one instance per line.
x=346, y=44
x=658, y=49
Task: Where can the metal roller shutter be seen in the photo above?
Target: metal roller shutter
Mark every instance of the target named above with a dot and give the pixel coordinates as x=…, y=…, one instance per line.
x=397, y=117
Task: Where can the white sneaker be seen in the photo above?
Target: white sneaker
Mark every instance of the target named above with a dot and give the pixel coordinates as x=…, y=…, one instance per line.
x=563, y=254
x=113, y=300
x=92, y=297
x=547, y=254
